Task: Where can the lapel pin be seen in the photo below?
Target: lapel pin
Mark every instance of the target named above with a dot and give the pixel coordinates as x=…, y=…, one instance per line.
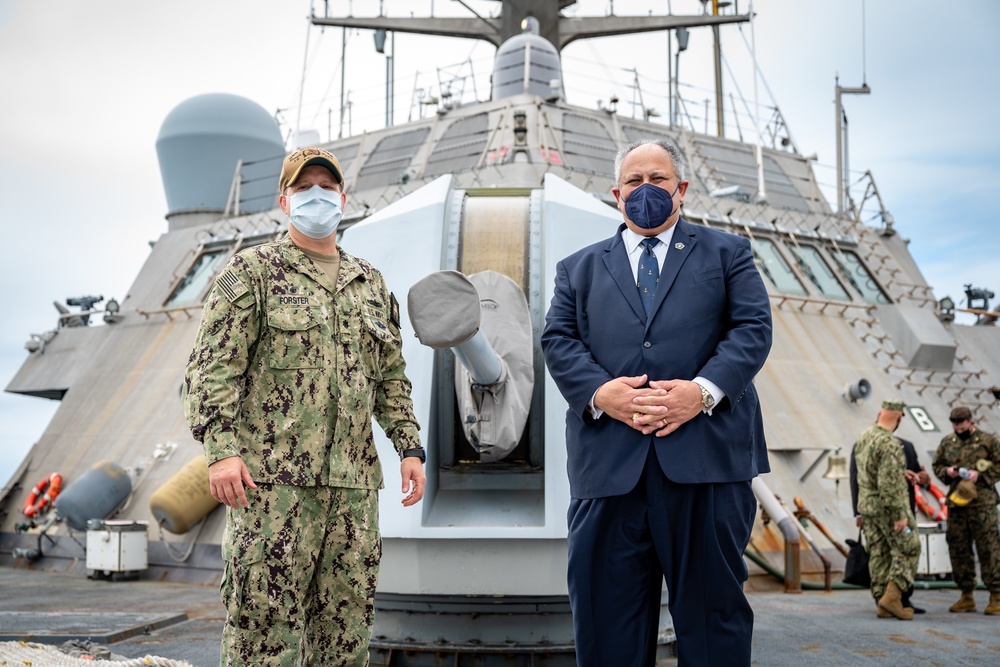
x=679, y=245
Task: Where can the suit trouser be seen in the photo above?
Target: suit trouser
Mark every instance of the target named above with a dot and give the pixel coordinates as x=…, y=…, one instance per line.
x=622, y=547
x=301, y=569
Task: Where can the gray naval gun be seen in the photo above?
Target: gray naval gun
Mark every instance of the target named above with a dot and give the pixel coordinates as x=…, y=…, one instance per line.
x=467, y=213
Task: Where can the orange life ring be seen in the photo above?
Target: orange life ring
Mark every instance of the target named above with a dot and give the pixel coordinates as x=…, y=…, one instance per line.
x=938, y=493
x=925, y=507
x=42, y=495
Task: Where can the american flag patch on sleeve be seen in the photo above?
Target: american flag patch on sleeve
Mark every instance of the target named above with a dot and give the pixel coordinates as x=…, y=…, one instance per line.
x=231, y=286
x=394, y=313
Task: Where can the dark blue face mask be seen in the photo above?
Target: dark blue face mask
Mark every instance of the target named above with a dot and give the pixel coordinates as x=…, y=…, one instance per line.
x=649, y=206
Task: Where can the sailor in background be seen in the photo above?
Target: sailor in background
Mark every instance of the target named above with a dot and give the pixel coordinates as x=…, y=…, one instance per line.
x=663, y=432
x=968, y=461
x=916, y=474
x=893, y=545
x=298, y=349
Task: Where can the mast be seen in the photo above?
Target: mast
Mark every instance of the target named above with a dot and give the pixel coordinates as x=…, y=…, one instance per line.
x=717, y=51
x=841, y=176
x=557, y=29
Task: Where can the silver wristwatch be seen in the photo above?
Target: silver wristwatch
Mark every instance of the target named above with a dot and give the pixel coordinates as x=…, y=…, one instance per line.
x=706, y=398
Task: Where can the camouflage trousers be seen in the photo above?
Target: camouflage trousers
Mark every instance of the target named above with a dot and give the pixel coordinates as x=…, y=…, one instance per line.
x=974, y=523
x=892, y=556
x=301, y=569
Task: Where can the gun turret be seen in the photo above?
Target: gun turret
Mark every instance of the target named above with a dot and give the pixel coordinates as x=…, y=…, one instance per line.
x=484, y=320
x=446, y=314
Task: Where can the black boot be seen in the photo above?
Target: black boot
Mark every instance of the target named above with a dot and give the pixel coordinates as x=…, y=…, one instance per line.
x=905, y=598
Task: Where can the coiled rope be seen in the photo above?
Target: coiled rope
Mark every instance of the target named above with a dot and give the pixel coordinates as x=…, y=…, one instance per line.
x=30, y=654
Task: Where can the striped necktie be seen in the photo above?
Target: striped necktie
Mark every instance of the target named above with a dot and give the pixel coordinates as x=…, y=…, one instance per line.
x=648, y=273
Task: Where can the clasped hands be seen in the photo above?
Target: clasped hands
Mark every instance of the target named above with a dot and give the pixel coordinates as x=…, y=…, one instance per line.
x=662, y=407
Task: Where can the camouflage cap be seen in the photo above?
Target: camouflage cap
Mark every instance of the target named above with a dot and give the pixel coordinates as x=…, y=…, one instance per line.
x=302, y=158
x=895, y=404
x=960, y=414
x=964, y=493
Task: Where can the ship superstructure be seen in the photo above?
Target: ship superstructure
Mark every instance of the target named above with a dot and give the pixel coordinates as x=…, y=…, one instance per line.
x=507, y=186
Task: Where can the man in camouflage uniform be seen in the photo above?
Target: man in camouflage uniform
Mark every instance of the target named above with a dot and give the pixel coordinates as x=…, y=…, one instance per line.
x=884, y=504
x=299, y=346
x=978, y=453
x=915, y=475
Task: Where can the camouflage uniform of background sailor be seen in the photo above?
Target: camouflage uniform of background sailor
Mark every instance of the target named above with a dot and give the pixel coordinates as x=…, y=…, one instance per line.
x=883, y=500
x=977, y=520
x=286, y=372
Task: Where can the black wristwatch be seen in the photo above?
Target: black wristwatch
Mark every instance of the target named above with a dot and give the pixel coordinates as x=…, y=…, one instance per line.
x=416, y=452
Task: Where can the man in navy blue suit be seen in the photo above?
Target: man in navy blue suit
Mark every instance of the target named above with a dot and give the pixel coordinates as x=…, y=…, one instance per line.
x=654, y=345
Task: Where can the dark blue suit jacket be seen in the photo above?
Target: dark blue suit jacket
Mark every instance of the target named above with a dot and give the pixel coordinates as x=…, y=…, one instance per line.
x=710, y=317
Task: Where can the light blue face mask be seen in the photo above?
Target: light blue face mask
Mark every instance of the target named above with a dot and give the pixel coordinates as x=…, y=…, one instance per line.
x=315, y=212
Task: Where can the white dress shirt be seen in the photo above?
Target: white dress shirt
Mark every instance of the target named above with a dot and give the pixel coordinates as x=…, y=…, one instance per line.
x=633, y=245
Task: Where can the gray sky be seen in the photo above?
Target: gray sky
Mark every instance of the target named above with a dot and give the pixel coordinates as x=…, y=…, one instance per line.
x=86, y=87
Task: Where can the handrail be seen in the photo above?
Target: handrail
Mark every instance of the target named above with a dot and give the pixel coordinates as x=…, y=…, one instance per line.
x=825, y=303
x=170, y=311
x=771, y=505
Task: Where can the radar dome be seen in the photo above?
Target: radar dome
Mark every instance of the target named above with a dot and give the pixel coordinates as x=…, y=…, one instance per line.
x=199, y=145
x=542, y=76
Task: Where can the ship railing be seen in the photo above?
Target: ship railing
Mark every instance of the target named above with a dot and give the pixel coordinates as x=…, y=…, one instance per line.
x=81, y=318
x=226, y=235
x=170, y=313
x=774, y=509
x=909, y=291
x=822, y=304
x=233, y=202
x=942, y=381
x=871, y=191
x=944, y=387
x=960, y=391
x=948, y=374
x=241, y=179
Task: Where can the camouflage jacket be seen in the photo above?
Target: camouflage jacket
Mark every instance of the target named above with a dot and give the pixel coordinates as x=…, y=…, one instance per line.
x=953, y=451
x=288, y=369
x=882, y=487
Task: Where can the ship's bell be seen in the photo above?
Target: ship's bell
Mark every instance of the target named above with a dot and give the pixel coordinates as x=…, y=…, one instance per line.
x=836, y=468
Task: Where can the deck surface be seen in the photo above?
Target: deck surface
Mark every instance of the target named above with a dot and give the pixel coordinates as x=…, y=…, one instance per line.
x=184, y=622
